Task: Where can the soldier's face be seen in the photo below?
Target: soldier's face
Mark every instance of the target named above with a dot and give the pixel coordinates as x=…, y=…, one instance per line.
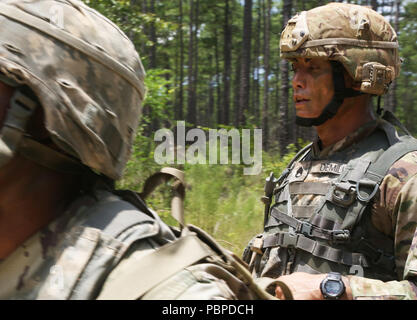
x=313, y=86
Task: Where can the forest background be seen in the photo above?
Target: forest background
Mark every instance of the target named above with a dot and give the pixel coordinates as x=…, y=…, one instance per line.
x=215, y=64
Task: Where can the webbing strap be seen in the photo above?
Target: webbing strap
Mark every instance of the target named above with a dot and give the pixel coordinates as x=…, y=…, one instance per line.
x=177, y=202
x=352, y=42
x=127, y=216
x=368, y=185
x=354, y=171
x=324, y=223
x=18, y=115
x=157, y=266
x=378, y=169
x=300, y=154
x=49, y=29
x=316, y=249
x=48, y=157
x=308, y=229
x=391, y=118
x=317, y=188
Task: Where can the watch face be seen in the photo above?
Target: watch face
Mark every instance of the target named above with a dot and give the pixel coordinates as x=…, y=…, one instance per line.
x=332, y=287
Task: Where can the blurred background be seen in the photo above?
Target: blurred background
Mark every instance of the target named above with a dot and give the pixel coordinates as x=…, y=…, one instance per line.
x=215, y=64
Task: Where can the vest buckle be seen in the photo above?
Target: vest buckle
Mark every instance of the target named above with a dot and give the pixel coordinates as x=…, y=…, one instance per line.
x=305, y=229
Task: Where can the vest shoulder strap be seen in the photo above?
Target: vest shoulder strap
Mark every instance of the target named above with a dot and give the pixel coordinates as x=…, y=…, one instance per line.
x=378, y=169
x=93, y=247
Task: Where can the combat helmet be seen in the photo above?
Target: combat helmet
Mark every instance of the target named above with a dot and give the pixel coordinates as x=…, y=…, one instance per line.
x=354, y=38
x=82, y=71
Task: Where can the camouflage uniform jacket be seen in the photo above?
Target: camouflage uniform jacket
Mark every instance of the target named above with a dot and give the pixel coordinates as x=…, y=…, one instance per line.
x=393, y=213
x=83, y=251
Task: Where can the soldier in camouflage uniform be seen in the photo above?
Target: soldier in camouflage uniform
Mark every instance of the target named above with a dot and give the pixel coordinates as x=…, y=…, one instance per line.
x=345, y=209
x=71, y=88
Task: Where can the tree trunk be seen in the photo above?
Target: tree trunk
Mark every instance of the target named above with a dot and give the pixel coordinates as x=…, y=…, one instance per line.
x=236, y=91
x=191, y=109
x=283, y=128
x=144, y=9
x=255, y=107
x=374, y=5
x=152, y=36
x=392, y=93
x=227, y=62
x=218, y=85
x=195, y=77
x=208, y=116
x=244, y=93
x=180, y=104
x=267, y=29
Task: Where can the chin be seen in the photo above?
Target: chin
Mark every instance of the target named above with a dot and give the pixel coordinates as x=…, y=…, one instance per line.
x=306, y=115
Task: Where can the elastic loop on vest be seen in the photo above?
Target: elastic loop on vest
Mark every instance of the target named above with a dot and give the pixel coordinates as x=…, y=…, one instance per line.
x=370, y=183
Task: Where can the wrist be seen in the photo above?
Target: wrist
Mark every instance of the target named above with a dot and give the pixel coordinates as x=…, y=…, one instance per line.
x=348, y=290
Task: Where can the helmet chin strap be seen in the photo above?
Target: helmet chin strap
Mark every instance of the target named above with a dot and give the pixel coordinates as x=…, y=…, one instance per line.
x=14, y=126
x=14, y=140
x=340, y=93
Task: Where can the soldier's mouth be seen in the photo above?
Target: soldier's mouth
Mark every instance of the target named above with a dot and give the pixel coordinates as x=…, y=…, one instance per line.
x=301, y=100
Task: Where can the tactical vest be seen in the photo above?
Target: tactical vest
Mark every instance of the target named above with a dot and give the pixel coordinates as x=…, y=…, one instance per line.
x=320, y=220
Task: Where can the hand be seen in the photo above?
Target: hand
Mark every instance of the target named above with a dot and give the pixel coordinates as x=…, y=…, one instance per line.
x=305, y=286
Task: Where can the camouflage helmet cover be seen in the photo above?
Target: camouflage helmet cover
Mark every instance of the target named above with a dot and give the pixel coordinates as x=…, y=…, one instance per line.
x=356, y=36
x=85, y=72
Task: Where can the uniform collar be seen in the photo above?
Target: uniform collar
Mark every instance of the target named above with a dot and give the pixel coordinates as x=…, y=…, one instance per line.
x=362, y=132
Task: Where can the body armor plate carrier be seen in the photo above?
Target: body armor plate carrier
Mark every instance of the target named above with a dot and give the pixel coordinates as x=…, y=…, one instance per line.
x=320, y=221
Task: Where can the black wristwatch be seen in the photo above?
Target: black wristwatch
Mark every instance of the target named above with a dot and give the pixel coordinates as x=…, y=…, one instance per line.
x=332, y=287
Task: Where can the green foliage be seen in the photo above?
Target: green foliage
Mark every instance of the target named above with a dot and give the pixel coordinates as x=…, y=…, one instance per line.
x=406, y=96
x=219, y=198
x=159, y=95
x=225, y=203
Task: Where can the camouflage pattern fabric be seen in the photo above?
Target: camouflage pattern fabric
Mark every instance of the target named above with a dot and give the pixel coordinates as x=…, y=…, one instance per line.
x=351, y=34
x=24, y=273
x=85, y=72
x=67, y=260
x=87, y=77
x=393, y=212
